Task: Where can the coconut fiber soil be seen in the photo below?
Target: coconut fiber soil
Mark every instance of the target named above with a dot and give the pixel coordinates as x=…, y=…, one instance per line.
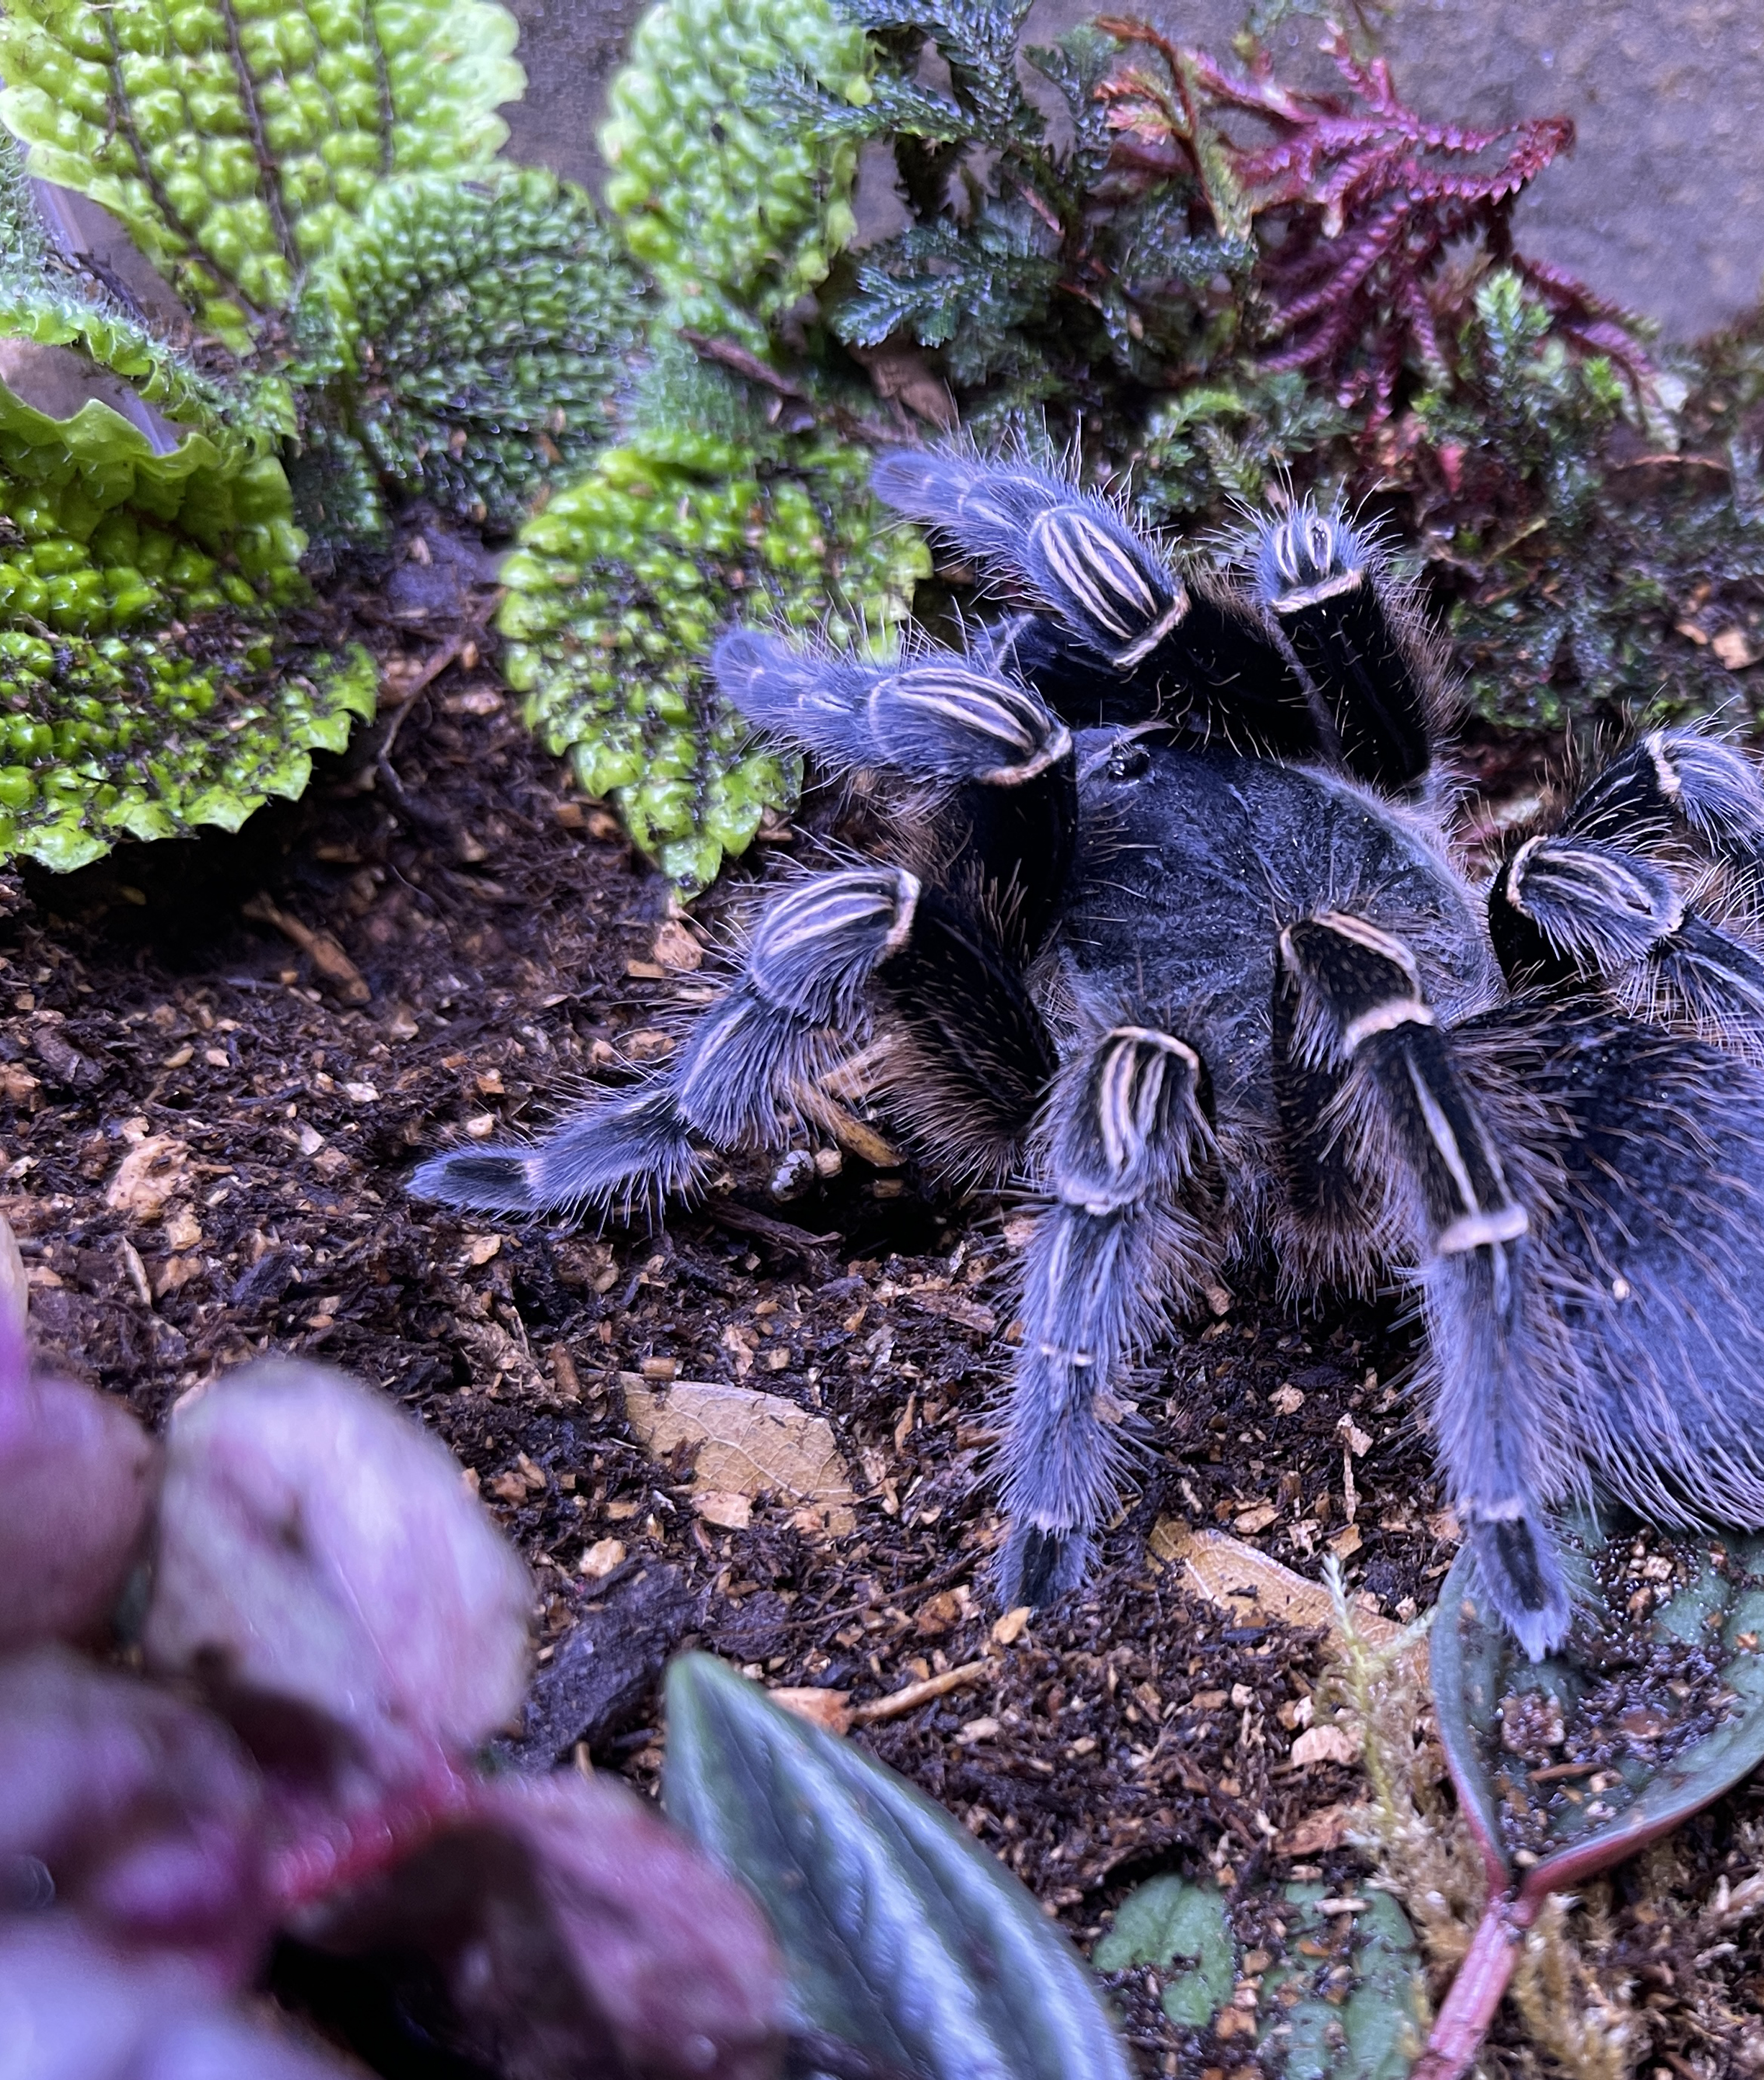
x=219, y=1060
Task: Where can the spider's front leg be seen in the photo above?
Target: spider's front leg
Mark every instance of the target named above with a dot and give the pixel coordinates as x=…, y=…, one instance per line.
x=1117, y=636
x=1121, y=1242
x=1408, y=1126
x=830, y=954
x=1325, y=582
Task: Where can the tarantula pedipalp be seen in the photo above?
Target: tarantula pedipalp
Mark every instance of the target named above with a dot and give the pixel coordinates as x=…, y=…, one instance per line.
x=1170, y=925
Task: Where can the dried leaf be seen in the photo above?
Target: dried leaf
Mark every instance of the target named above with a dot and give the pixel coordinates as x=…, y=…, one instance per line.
x=152, y=1173
x=675, y=948
x=748, y=1445
x=317, y=1549
x=1238, y=1578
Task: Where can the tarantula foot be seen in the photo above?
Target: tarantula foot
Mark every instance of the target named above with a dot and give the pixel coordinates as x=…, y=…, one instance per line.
x=495, y=1181
x=1516, y=1558
x=1038, y=1566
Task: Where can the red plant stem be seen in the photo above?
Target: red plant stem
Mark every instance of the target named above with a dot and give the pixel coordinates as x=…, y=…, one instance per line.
x=337, y=1848
x=1476, y=1992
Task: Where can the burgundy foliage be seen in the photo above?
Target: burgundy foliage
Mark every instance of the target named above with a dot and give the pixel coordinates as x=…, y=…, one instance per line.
x=1378, y=209
x=332, y=1629
x=76, y=1484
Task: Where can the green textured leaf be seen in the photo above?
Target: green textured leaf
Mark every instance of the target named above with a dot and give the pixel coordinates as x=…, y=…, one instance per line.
x=1377, y=2031
x=900, y=1934
x=618, y=586
x=1169, y=1920
x=236, y=138
x=472, y=333
x=734, y=212
x=1655, y=1707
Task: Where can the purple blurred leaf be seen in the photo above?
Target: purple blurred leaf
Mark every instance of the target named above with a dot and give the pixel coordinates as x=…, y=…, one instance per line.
x=345, y=1601
x=76, y=1483
x=140, y=1812
x=72, y=2010
x=580, y=1934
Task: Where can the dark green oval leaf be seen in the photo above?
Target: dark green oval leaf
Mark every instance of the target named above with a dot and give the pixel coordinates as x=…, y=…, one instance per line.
x=900, y=1934
x=1655, y=1707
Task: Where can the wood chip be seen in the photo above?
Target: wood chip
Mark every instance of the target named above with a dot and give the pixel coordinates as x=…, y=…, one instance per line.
x=1735, y=649
x=1009, y=1628
x=826, y=1708
x=601, y=1558
x=1318, y=1744
x=152, y=1173
x=748, y=1445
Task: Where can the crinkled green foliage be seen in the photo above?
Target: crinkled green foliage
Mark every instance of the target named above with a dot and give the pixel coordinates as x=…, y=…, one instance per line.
x=146, y=543
x=236, y=138
x=618, y=586
x=1580, y=575
x=734, y=213
x=472, y=332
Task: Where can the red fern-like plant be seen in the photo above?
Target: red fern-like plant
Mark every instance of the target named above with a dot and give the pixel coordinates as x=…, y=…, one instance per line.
x=1373, y=199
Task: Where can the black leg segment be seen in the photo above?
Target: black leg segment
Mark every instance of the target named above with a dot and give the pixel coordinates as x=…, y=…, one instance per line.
x=1419, y=1134
x=1319, y=578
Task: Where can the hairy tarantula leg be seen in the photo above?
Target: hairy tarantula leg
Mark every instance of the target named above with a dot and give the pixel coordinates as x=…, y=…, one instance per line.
x=1319, y=576
x=809, y=960
x=1675, y=780
x=1128, y=1127
x=989, y=743
x=1362, y=1013
x=1564, y=911
x=1118, y=637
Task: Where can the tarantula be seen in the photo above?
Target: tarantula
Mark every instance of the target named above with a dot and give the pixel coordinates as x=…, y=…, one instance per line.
x=1169, y=924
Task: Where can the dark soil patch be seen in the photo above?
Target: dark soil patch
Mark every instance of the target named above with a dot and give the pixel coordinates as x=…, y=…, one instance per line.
x=503, y=935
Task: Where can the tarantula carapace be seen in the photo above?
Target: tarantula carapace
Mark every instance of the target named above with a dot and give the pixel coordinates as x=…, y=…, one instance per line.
x=1169, y=925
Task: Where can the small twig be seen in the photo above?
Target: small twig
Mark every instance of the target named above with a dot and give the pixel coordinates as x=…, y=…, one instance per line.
x=811, y=1250
x=753, y=370
x=915, y=1694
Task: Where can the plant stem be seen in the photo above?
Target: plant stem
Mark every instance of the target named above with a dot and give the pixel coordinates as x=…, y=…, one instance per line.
x=1476, y=1992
